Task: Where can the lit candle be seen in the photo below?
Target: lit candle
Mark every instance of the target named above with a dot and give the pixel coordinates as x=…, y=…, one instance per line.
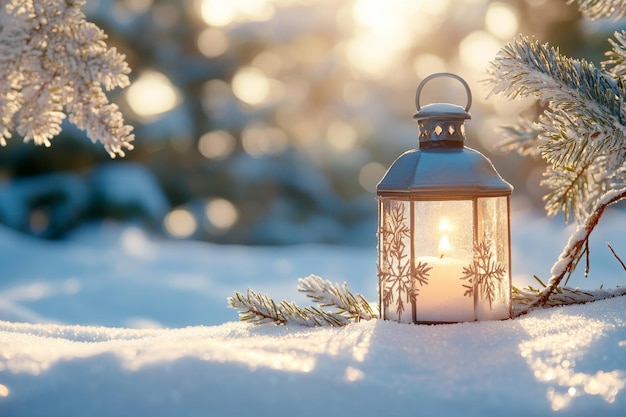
x=443, y=298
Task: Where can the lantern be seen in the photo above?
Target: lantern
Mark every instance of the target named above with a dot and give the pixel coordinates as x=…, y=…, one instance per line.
x=443, y=226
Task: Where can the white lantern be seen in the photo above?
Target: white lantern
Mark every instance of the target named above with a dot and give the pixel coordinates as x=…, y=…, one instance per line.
x=443, y=226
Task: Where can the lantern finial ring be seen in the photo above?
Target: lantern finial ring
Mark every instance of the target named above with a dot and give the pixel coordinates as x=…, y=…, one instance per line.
x=443, y=74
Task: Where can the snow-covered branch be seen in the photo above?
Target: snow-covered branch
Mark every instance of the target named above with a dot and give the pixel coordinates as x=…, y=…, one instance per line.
x=582, y=133
x=53, y=62
x=327, y=294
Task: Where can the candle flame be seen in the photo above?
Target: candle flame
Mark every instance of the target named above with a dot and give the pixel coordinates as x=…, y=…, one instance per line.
x=444, y=246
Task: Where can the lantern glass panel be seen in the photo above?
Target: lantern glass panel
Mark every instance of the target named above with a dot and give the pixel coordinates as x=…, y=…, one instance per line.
x=492, y=280
x=394, y=260
x=443, y=239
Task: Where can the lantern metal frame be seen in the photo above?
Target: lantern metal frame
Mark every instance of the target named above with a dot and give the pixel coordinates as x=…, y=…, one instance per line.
x=423, y=183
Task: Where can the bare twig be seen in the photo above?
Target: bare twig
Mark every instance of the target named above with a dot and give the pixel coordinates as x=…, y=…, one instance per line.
x=616, y=257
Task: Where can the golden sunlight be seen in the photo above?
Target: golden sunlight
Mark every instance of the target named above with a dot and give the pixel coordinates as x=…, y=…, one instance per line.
x=384, y=31
x=151, y=95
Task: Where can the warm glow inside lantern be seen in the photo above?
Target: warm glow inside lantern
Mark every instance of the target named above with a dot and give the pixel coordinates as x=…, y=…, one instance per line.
x=443, y=226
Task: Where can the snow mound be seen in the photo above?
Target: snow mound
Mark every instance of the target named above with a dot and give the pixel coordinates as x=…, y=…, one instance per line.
x=571, y=359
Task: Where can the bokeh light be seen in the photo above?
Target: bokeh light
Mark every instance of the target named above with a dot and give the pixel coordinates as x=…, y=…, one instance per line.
x=341, y=135
x=180, y=223
x=224, y=12
x=221, y=214
x=260, y=139
x=370, y=175
x=501, y=20
x=253, y=87
x=151, y=95
x=217, y=144
x=478, y=48
x=212, y=42
x=229, y=95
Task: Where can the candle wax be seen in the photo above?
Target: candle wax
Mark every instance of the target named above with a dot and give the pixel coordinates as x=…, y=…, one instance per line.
x=442, y=299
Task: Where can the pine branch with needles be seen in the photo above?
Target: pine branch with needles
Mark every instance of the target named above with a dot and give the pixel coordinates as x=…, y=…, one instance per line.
x=349, y=308
x=581, y=135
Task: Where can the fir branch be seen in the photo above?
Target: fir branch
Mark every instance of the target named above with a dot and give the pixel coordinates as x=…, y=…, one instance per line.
x=352, y=306
x=598, y=9
x=525, y=68
x=615, y=65
x=53, y=63
x=256, y=308
x=259, y=308
x=561, y=296
x=582, y=133
x=571, y=87
x=522, y=138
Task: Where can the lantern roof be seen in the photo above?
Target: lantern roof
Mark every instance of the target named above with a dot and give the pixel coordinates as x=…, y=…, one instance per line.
x=443, y=173
x=446, y=111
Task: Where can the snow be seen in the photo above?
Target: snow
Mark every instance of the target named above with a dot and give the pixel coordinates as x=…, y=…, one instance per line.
x=68, y=346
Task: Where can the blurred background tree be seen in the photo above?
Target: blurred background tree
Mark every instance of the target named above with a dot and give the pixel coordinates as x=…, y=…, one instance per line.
x=271, y=121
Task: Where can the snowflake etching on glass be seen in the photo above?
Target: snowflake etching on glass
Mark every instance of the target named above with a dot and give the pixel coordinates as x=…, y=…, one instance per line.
x=484, y=274
x=398, y=279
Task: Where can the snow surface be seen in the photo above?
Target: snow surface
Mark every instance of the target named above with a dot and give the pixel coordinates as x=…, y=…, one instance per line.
x=67, y=346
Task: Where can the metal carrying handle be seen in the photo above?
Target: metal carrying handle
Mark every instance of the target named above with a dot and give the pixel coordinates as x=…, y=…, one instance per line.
x=443, y=74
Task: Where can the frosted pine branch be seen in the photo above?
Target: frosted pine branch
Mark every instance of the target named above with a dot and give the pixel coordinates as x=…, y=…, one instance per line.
x=615, y=65
x=598, y=9
x=525, y=68
x=52, y=63
x=522, y=138
x=582, y=134
x=258, y=308
x=327, y=294
x=523, y=299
